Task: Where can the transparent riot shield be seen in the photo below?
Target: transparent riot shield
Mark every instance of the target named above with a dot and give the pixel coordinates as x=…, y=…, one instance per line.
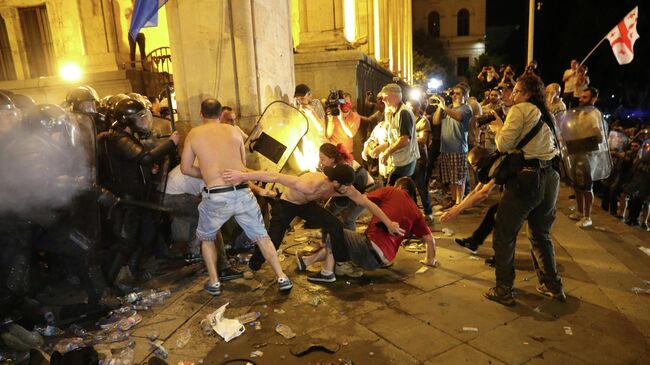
x=617, y=140
x=275, y=137
x=582, y=138
x=644, y=151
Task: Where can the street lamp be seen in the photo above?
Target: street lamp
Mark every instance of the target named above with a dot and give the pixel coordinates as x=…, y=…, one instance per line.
x=70, y=72
x=434, y=83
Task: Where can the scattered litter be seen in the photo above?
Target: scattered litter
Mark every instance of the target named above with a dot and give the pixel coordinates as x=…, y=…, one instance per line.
x=257, y=353
x=279, y=311
x=371, y=353
x=153, y=334
x=344, y=343
x=112, y=337
x=347, y=282
x=600, y=228
x=69, y=344
x=526, y=279
x=416, y=247
x=158, y=348
x=422, y=270
x=129, y=322
x=285, y=331
x=475, y=259
x=282, y=257
x=536, y=309
x=183, y=338
x=572, y=207
x=315, y=300
x=300, y=239
x=186, y=362
x=225, y=327
x=645, y=250
x=50, y=330
x=448, y=232
x=206, y=327
x=260, y=345
x=526, y=343
x=78, y=331
x=568, y=331
x=637, y=290
x=646, y=282
x=470, y=329
x=249, y=317
x=438, y=213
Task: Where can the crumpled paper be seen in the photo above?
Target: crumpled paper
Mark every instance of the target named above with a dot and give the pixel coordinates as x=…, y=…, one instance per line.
x=227, y=328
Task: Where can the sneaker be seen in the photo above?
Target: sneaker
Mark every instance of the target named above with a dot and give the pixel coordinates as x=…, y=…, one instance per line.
x=468, y=244
x=320, y=278
x=191, y=258
x=554, y=291
x=347, y=269
x=428, y=218
x=575, y=216
x=489, y=261
x=584, y=222
x=212, y=289
x=285, y=284
x=501, y=294
x=230, y=274
x=300, y=263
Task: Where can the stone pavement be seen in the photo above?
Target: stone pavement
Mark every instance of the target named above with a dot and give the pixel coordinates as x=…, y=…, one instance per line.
x=399, y=316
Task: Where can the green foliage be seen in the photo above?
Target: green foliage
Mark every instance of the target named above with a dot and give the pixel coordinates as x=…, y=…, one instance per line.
x=430, y=59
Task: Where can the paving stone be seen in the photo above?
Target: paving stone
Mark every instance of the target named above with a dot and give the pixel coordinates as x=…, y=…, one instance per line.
x=162, y=324
x=553, y=356
x=407, y=333
x=463, y=354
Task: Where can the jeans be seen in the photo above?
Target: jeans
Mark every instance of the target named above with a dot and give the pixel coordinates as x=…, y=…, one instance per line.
x=283, y=212
x=434, y=153
x=421, y=182
x=487, y=225
x=348, y=209
x=539, y=208
x=185, y=207
x=401, y=171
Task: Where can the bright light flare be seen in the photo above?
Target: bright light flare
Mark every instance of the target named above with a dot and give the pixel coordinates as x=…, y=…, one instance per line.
x=70, y=72
x=350, y=19
x=434, y=83
x=415, y=94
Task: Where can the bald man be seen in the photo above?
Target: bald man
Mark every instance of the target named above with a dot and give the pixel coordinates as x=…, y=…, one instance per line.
x=553, y=98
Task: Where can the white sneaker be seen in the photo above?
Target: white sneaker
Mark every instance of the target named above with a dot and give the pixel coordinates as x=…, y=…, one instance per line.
x=575, y=216
x=584, y=222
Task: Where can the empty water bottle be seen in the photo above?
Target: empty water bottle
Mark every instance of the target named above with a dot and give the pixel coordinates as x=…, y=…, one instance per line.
x=78, y=331
x=248, y=317
x=128, y=323
x=112, y=337
x=447, y=231
x=285, y=331
x=159, y=349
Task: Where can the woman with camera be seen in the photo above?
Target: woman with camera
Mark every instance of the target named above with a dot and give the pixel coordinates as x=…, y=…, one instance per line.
x=531, y=193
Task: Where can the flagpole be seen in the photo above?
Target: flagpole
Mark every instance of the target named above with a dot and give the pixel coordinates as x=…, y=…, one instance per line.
x=592, y=51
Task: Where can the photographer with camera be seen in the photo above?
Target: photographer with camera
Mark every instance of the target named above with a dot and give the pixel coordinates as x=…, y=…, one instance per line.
x=489, y=77
x=455, y=118
x=342, y=122
x=494, y=105
x=508, y=77
x=569, y=79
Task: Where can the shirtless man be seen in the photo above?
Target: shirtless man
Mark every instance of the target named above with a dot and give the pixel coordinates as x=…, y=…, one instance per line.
x=219, y=147
x=300, y=200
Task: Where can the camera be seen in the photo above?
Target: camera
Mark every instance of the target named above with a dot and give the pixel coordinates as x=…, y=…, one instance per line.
x=334, y=100
x=488, y=118
x=445, y=96
x=371, y=97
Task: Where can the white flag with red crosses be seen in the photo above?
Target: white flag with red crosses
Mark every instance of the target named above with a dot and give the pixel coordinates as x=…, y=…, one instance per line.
x=623, y=36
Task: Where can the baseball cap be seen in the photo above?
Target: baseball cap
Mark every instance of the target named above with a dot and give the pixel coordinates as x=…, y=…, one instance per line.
x=391, y=88
x=301, y=90
x=343, y=173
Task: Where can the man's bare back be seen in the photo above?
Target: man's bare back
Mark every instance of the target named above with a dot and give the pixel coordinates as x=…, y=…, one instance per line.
x=322, y=189
x=217, y=147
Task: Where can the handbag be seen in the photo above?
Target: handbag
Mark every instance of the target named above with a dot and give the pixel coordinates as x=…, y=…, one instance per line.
x=502, y=166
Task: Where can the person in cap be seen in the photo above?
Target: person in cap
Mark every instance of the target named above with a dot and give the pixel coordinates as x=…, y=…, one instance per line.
x=376, y=247
x=400, y=153
x=305, y=101
x=300, y=200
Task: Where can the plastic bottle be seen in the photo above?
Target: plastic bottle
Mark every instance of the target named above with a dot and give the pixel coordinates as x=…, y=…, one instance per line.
x=285, y=331
x=151, y=301
x=183, y=338
x=78, y=331
x=128, y=323
x=447, y=231
x=159, y=349
x=112, y=337
x=129, y=298
x=248, y=317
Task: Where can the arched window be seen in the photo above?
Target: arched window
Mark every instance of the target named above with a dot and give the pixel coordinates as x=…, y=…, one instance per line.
x=434, y=24
x=463, y=22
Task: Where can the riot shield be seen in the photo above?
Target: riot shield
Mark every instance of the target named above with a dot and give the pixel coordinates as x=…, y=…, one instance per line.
x=617, y=140
x=644, y=151
x=161, y=127
x=582, y=138
x=276, y=136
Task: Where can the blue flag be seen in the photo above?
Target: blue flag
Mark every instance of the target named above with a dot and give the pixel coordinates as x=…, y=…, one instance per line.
x=145, y=14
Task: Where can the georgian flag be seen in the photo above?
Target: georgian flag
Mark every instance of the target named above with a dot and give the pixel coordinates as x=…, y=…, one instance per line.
x=623, y=36
x=145, y=15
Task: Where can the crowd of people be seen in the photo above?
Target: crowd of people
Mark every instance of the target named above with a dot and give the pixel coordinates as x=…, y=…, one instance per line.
x=133, y=189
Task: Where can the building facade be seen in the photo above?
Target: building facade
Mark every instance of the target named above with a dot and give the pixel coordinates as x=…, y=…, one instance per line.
x=460, y=25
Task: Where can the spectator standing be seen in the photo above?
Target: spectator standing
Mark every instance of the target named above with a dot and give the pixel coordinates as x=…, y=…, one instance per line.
x=582, y=83
x=455, y=120
x=343, y=127
x=423, y=130
x=569, y=79
x=553, y=100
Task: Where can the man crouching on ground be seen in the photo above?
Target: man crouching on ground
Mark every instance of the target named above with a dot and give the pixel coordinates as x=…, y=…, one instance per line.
x=376, y=247
x=300, y=200
x=219, y=147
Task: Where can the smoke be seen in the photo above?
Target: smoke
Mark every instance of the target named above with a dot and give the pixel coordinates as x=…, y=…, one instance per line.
x=42, y=171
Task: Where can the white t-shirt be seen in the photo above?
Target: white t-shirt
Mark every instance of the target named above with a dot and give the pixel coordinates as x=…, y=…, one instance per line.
x=177, y=183
x=570, y=83
x=580, y=86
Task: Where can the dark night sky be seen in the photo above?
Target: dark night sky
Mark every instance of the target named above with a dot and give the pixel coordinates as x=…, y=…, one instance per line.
x=570, y=29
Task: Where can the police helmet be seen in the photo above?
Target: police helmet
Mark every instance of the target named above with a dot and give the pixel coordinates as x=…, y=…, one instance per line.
x=22, y=102
x=83, y=99
x=51, y=120
x=9, y=114
x=133, y=114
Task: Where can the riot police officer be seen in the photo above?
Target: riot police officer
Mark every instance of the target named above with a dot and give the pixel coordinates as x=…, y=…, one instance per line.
x=125, y=169
x=84, y=99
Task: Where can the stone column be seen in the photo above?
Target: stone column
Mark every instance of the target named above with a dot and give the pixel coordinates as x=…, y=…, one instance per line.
x=237, y=51
x=15, y=35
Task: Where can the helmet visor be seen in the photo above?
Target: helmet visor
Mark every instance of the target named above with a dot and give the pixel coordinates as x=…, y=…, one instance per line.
x=143, y=121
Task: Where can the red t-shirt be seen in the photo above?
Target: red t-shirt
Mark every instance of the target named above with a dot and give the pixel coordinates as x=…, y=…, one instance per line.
x=399, y=207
